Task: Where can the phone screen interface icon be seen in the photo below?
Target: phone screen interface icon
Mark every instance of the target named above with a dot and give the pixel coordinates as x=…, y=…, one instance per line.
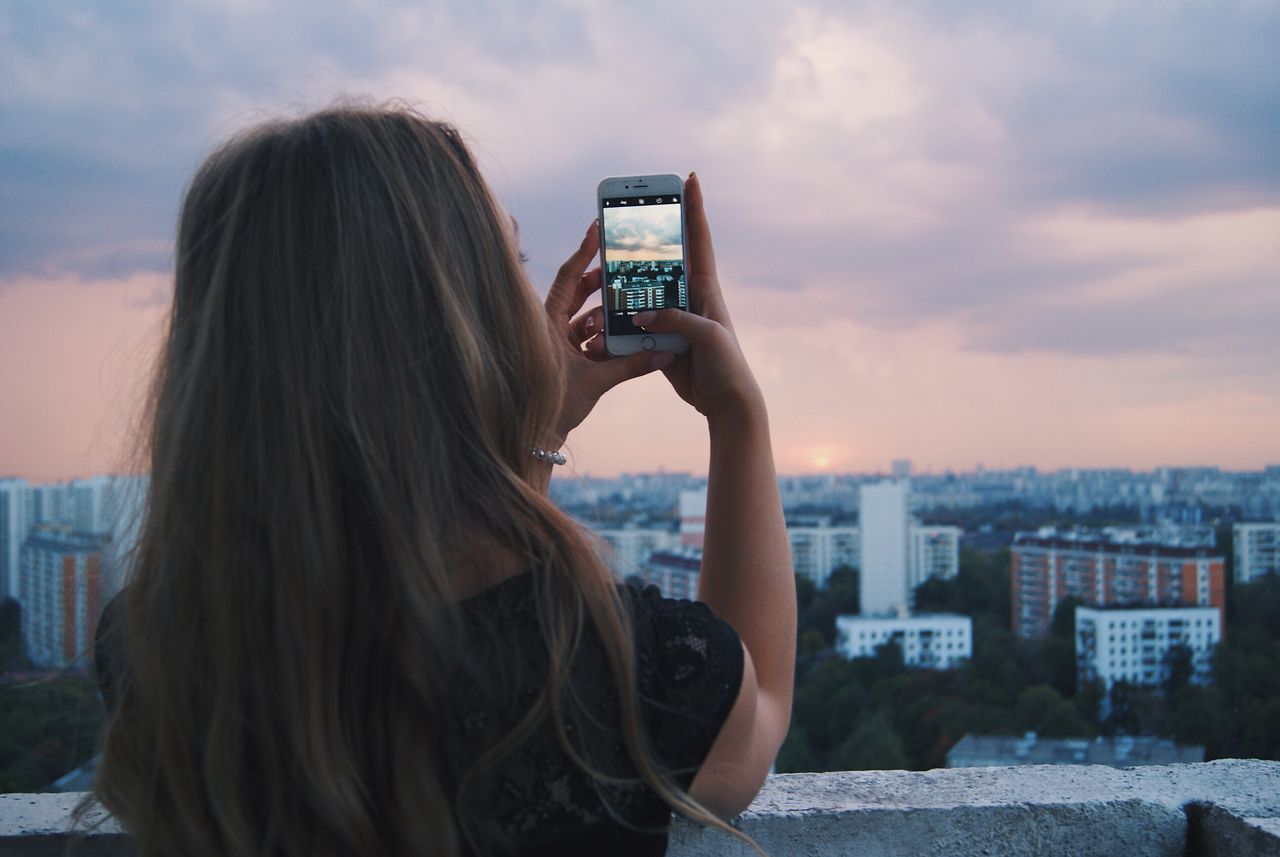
x=643, y=258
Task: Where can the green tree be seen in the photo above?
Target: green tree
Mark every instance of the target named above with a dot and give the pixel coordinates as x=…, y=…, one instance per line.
x=873, y=746
x=47, y=727
x=1179, y=666
x=795, y=755
x=1043, y=710
x=824, y=605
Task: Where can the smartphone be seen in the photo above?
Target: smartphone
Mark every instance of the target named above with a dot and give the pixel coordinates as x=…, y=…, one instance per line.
x=642, y=258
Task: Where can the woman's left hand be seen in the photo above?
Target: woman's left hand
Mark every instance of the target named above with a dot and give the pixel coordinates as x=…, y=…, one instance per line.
x=590, y=371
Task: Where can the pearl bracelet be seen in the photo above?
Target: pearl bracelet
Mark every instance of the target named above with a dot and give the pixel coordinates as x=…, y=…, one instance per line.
x=548, y=455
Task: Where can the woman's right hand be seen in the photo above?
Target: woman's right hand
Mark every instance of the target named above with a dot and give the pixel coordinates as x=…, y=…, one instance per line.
x=713, y=374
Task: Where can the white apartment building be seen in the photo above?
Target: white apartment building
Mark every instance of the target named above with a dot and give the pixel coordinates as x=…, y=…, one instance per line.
x=1257, y=550
x=935, y=552
x=15, y=524
x=1131, y=645
x=632, y=546
x=62, y=595
x=818, y=550
x=885, y=544
x=931, y=641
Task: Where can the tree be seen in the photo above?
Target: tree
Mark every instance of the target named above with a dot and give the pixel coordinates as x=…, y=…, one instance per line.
x=1179, y=667
x=873, y=746
x=824, y=605
x=795, y=756
x=1043, y=710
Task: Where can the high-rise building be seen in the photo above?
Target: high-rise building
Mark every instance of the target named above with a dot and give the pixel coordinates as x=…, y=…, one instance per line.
x=818, y=548
x=15, y=524
x=901, y=468
x=1257, y=550
x=61, y=594
x=885, y=546
x=1133, y=645
x=937, y=641
x=1048, y=566
x=50, y=504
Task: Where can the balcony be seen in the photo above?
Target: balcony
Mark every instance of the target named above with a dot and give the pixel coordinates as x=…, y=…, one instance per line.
x=1227, y=808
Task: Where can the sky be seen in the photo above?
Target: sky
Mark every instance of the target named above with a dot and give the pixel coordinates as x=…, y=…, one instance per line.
x=1000, y=233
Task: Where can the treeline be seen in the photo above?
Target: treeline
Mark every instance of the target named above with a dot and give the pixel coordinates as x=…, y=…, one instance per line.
x=49, y=724
x=875, y=713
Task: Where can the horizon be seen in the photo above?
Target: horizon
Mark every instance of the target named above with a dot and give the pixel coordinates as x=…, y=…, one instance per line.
x=564, y=473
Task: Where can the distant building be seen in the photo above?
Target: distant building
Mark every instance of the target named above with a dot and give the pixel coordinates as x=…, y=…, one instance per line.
x=675, y=573
x=935, y=552
x=1048, y=566
x=693, y=517
x=1133, y=645
x=818, y=548
x=885, y=545
x=15, y=523
x=901, y=468
x=632, y=546
x=931, y=641
x=61, y=594
x=984, y=751
x=1257, y=551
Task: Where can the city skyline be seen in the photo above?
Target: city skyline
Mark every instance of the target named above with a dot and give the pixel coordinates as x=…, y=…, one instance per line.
x=990, y=234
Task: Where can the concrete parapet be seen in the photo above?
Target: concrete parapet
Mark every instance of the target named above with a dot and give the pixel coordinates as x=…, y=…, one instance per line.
x=1227, y=807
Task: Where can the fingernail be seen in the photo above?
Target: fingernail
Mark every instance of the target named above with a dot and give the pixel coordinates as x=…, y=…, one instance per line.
x=661, y=360
x=590, y=322
x=643, y=318
x=692, y=174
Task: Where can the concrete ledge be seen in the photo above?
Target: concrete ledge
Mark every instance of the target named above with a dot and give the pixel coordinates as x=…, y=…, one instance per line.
x=1223, y=807
x=1228, y=807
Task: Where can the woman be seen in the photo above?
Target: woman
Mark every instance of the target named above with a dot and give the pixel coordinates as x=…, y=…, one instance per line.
x=356, y=623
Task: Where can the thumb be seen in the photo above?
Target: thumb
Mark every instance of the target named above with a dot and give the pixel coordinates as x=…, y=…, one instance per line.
x=693, y=327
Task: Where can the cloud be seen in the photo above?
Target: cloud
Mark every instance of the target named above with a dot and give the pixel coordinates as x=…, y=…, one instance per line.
x=1047, y=185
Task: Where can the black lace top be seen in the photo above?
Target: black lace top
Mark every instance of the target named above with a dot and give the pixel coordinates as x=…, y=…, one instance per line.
x=689, y=669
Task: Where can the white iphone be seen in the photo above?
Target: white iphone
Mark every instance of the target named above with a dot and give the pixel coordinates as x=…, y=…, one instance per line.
x=642, y=258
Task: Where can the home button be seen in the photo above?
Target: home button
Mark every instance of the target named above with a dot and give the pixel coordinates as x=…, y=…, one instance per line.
x=647, y=343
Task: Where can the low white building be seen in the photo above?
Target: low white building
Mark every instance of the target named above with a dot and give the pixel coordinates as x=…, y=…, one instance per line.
x=932, y=641
x=1257, y=550
x=819, y=549
x=1132, y=645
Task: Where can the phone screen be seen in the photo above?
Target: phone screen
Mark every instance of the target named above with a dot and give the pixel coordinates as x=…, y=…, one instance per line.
x=643, y=258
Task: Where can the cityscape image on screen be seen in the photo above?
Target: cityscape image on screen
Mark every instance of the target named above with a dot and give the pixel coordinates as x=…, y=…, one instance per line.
x=643, y=259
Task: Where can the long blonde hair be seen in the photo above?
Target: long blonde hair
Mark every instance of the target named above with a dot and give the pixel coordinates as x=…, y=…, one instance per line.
x=355, y=370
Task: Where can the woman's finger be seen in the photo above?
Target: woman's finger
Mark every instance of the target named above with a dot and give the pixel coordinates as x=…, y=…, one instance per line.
x=702, y=256
x=588, y=285
x=586, y=326
x=560, y=298
x=693, y=327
